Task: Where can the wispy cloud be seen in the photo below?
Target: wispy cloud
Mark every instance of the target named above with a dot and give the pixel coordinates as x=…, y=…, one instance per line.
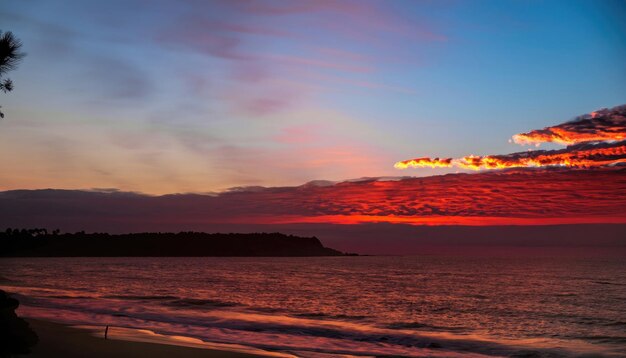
x=257, y=43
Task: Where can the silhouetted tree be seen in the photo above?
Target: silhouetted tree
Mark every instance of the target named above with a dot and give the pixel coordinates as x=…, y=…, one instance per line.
x=10, y=57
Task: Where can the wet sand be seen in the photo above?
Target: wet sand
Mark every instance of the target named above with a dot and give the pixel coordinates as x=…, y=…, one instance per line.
x=57, y=340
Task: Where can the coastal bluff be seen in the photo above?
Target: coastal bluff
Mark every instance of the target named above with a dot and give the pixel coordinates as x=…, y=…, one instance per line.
x=41, y=243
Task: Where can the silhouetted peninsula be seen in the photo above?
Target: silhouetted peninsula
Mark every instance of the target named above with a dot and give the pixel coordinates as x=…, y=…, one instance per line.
x=41, y=243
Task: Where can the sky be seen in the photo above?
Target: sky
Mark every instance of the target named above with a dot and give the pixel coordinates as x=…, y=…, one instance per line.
x=199, y=96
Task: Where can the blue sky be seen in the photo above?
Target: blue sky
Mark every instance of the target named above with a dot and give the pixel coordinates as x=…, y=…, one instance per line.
x=180, y=96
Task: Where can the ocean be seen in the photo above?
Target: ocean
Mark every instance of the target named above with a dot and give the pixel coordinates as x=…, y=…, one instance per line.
x=432, y=305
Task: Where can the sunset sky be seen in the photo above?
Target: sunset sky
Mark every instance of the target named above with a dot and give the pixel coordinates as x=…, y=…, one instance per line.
x=199, y=96
x=313, y=178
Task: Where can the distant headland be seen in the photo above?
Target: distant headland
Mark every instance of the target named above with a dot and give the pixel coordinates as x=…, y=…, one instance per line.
x=42, y=243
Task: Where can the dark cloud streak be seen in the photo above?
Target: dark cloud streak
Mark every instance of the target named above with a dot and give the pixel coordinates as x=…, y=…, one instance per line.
x=599, y=126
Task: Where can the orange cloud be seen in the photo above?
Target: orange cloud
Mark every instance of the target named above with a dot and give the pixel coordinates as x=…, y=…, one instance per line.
x=580, y=156
x=595, y=139
x=599, y=126
x=424, y=162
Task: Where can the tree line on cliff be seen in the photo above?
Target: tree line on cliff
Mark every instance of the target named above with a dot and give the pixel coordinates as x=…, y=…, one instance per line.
x=43, y=243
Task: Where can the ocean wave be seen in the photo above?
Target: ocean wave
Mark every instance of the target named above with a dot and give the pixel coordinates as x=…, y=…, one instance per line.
x=565, y=295
x=195, y=302
x=141, y=297
x=303, y=306
x=286, y=333
x=265, y=330
x=325, y=315
x=609, y=283
x=604, y=339
x=71, y=297
x=424, y=326
x=615, y=324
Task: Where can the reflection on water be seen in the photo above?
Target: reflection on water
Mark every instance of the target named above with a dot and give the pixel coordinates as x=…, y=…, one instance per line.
x=413, y=306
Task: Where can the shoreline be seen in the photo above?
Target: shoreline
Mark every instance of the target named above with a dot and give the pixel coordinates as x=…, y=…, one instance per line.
x=60, y=340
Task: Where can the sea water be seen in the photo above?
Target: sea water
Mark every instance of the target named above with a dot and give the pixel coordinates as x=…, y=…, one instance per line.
x=433, y=305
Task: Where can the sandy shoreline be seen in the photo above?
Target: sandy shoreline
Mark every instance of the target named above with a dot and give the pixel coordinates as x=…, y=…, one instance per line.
x=57, y=340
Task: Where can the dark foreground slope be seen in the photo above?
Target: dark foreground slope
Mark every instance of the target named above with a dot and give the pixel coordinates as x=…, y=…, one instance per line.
x=37, y=243
x=16, y=337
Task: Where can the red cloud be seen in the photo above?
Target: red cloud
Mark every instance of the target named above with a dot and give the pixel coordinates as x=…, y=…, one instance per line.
x=519, y=197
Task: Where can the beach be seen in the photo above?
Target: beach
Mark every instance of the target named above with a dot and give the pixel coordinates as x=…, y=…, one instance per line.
x=57, y=340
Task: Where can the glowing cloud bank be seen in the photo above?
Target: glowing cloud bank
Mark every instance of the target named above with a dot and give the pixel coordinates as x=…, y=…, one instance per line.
x=545, y=196
x=593, y=140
